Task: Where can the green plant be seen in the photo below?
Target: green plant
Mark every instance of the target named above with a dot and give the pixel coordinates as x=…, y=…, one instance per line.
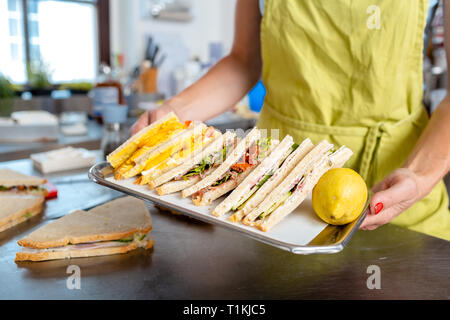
x=39, y=75
x=6, y=96
x=86, y=86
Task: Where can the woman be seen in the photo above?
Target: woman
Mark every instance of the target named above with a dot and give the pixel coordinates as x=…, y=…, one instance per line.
x=349, y=72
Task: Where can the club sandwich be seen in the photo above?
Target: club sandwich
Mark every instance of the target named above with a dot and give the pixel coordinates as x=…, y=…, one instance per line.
x=147, y=138
x=13, y=182
x=200, y=137
x=118, y=226
x=15, y=209
x=196, y=168
x=295, y=188
x=271, y=180
x=243, y=159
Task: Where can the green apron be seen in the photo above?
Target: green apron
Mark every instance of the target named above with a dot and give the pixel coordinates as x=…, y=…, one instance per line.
x=334, y=71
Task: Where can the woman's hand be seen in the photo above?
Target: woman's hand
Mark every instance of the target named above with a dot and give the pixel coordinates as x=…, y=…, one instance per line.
x=396, y=193
x=150, y=116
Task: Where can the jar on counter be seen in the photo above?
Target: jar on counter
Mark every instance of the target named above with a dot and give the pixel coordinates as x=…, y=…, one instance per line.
x=114, y=131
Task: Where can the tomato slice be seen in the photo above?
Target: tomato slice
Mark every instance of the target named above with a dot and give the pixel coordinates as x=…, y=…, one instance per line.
x=52, y=191
x=240, y=167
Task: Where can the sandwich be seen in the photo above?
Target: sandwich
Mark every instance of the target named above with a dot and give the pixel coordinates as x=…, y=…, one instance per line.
x=272, y=179
x=256, y=178
x=118, y=226
x=196, y=168
x=238, y=165
x=146, y=138
x=147, y=162
x=295, y=188
x=12, y=182
x=200, y=138
x=15, y=209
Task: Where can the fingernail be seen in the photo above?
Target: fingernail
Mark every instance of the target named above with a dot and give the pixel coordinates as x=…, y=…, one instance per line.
x=378, y=207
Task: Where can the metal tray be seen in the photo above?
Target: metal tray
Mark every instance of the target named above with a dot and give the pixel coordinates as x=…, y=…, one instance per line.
x=301, y=232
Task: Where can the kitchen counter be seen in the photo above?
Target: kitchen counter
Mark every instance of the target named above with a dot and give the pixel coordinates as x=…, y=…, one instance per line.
x=195, y=260
x=92, y=140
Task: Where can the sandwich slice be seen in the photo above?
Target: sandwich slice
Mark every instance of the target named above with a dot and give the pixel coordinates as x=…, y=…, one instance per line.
x=15, y=209
x=271, y=180
x=291, y=193
x=256, y=178
x=118, y=226
x=238, y=165
x=145, y=139
x=12, y=182
x=196, y=168
x=147, y=162
x=201, y=138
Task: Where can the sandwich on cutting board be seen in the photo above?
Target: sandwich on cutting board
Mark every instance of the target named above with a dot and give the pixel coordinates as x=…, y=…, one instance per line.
x=147, y=139
x=196, y=168
x=12, y=182
x=238, y=165
x=118, y=226
x=297, y=185
x=179, y=150
x=15, y=209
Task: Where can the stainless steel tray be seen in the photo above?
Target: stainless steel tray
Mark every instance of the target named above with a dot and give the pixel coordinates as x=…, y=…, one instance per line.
x=301, y=232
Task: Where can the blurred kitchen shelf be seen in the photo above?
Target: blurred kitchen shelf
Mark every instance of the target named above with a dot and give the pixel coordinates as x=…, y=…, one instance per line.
x=90, y=141
x=230, y=120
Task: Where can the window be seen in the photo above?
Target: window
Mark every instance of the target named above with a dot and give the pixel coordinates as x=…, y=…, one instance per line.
x=12, y=52
x=62, y=35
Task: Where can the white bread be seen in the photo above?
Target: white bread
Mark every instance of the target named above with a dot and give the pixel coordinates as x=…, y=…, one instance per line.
x=178, y=185
x=131, y=144
x=231, y=159
x=211, y=195
x=10, y=178
x=327, y=162
x=213, y=147
x=278, y=154
x=174, y=144
x=114, y=220
x=158, y=175
x=312, y=157
x=41, y=192
x=55, y=255
x=288, y=165
x=17, y=209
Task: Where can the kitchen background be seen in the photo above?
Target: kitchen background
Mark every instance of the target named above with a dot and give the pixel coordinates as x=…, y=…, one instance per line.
x=78, y=73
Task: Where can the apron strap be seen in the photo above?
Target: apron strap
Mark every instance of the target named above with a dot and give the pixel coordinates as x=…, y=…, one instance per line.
x=370, y=148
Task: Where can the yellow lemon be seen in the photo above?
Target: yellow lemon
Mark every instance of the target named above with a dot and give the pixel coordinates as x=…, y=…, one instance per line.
x=340, y=196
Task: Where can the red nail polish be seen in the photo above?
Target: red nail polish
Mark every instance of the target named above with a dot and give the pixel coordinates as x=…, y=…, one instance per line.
x=378, y=207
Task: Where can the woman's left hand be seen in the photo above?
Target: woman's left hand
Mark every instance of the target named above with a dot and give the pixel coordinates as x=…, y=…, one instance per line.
x=396, y=193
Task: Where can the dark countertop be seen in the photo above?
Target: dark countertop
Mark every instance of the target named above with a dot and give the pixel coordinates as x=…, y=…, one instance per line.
x=194, y=260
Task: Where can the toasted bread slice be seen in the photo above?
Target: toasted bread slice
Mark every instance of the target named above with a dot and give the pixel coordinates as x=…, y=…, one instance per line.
x=16, y=209
x=43, y=255
x=10, y=178
x=114, y=220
